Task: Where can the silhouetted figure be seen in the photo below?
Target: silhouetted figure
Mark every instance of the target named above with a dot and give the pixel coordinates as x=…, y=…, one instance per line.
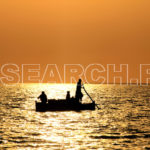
x=43, y=97
x=68, y=95
x=79, y=94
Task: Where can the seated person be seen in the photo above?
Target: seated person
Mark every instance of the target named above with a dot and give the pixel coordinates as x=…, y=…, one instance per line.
x=43, y=97
x=68, y=95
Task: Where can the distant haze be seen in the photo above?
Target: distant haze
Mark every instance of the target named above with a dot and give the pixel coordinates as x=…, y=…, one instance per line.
x=75, y=32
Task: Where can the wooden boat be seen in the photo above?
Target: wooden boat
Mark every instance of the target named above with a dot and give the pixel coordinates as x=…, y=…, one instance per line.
x=64, y=105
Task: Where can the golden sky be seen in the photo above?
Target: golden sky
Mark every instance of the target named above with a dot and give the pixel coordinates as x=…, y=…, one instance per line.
x=75, y=31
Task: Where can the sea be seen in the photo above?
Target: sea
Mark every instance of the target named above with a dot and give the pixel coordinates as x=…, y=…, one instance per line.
x=121, y=123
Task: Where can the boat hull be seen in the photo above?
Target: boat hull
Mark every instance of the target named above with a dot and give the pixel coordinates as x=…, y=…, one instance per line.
x=63, y=105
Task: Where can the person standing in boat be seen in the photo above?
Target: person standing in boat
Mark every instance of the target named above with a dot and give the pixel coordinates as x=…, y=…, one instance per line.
x=43, y=97
x=79, y=94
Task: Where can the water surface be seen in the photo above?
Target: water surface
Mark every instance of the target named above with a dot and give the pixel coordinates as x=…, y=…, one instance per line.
x=123, y=122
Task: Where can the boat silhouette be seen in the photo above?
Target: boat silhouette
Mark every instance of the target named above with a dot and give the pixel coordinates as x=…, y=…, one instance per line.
x=64, y=105
x=67, y=104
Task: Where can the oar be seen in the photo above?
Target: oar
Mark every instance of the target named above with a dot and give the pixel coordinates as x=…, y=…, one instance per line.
x=89, y=96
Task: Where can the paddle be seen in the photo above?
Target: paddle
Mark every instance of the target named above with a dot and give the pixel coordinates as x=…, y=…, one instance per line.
x=89, y=96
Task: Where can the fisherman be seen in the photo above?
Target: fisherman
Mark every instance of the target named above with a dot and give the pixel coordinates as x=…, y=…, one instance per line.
x=68, y=95
x=79, y=94
x=43, y=97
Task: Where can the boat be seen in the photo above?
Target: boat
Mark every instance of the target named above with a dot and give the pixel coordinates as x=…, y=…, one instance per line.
x=71, y=104
x=63, y=105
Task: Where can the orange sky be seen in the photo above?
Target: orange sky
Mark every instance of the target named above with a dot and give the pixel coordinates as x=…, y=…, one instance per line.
x=75, y=31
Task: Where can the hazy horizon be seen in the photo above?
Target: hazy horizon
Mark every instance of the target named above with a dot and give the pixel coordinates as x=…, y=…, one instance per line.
x=75, y=32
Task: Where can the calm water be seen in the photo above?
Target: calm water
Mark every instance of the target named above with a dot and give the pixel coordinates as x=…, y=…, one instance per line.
x=123, y=122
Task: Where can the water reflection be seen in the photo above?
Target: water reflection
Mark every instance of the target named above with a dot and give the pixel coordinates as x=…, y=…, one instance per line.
x=122, y=122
